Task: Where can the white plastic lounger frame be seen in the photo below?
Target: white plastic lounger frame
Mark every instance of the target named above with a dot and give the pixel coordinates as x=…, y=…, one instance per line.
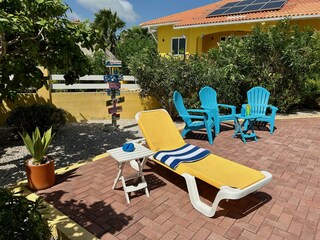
x=225, y=192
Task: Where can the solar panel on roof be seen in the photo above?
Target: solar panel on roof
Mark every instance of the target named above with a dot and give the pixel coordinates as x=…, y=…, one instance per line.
x=218, y=12
x=262, y=1
x=253, y=7
x=247, y=6
x=231, y=4
x=273, y=5
x=234, y=10
x=245, y=2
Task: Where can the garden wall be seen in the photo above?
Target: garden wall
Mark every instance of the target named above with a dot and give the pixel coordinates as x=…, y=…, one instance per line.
x=81, y=106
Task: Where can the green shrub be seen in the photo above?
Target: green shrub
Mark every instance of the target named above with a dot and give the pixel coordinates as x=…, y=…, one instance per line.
x=280, y=58
x=160, y=76
x=21, y=218
x=42, y=115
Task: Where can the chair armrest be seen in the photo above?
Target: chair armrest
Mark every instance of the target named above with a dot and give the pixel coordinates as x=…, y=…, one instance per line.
x=199, y=111
x=206, y=111
x=233, y=108
x=192, y=116
x=273, y=110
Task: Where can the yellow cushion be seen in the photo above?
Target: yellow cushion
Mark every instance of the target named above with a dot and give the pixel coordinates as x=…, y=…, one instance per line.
x=159, y=130
x=161, y=134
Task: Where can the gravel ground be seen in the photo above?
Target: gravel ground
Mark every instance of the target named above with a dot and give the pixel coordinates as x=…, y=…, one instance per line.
x=75, y=142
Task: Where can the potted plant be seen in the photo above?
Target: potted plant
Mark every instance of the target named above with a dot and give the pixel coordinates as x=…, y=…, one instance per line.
x=39, y=168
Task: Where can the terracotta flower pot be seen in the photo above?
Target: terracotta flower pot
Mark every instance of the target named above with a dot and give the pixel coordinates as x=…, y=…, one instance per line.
x=40, y=176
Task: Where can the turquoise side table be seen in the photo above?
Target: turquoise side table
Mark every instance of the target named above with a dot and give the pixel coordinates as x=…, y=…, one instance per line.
x=239, y=128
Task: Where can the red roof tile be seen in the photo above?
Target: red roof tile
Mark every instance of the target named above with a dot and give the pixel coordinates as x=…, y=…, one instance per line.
x=198, y=16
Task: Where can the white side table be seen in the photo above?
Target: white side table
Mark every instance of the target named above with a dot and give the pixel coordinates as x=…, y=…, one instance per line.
x=122, y=158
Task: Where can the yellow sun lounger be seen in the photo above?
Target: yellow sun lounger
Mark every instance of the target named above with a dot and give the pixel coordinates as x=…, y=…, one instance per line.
x=234, y=180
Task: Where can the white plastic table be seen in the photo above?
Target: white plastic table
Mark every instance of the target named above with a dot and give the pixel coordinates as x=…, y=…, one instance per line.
x=133, y=158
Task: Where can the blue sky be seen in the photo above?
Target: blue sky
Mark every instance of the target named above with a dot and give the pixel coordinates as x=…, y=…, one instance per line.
x=132, y=12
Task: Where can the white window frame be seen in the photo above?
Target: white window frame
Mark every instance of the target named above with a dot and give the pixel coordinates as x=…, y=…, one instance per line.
x=185, y=45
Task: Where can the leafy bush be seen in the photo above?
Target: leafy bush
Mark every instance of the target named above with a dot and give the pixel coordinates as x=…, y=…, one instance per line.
x=42, y=115
x=160, y=76
x=98, y=62
x=21, y=218
x=282, y=58
x=132, y=41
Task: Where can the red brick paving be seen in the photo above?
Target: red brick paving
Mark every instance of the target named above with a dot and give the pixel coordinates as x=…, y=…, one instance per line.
x=287, y=208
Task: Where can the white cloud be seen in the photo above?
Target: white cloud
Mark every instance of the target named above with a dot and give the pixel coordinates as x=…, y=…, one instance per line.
x=73, y=16
x=123, y=8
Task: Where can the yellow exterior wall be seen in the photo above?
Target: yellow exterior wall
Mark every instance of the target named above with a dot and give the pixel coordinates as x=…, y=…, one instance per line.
x=201, y=39
x=81, y=106
x=92, y=106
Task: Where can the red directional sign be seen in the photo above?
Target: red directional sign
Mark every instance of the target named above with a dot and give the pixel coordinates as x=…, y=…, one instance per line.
x=114, y=85
x=114, y=109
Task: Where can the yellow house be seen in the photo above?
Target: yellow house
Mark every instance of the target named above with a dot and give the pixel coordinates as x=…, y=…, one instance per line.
x=197, y=30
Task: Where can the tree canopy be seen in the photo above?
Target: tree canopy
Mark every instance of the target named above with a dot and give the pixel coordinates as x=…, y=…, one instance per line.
x=107, y=23
x=38, y=33
x=131, y=43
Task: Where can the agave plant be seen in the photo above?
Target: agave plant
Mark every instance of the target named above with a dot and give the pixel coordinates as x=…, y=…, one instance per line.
x=37, y=145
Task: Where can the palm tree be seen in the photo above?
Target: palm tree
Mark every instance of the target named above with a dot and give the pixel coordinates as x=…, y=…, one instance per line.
x=107, y=23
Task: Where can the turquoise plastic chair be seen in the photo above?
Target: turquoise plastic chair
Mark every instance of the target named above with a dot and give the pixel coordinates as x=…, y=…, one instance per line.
x=208, y=98
x=258, y=98
x=193, y=122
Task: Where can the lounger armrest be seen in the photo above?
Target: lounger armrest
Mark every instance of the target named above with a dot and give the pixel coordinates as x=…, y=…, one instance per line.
x=233, y=108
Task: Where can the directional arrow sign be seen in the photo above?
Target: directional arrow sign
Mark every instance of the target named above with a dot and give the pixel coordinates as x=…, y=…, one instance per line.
x=109, y=103
x=115, y=100
x=120, y=100
x=114, y=109
x=114, y=85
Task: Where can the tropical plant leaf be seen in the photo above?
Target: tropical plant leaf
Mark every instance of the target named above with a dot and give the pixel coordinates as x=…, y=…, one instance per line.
x=38, y=151
x=28, y=142
x=37, y=146
x=46, y=139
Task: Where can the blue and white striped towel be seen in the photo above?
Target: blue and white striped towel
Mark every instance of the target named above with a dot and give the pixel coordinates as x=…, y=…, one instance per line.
x=186, y=153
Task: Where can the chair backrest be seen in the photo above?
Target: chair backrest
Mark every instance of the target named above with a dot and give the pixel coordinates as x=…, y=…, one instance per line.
x=159, y=130
x=178, y=102
x=208, y=98
x=258, y=98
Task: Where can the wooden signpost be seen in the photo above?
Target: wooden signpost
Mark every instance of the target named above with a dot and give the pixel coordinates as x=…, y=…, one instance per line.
x=117, y=100
x=113, y=80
